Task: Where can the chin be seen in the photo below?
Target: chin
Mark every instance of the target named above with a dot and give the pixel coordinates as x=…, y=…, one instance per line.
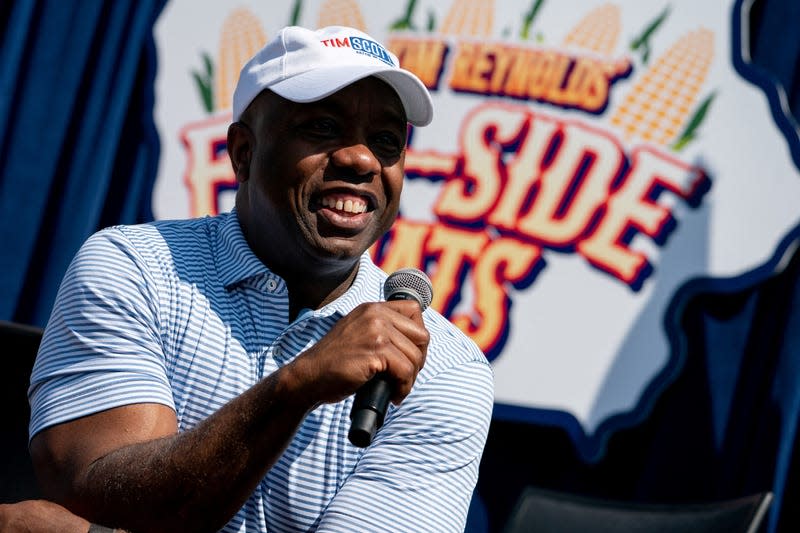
x=334, y=248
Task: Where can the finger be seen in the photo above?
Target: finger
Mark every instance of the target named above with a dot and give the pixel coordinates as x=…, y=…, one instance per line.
x=408, y=308
x=404, y=360
x=401, y=371
x=409, y=339
x=411, y=324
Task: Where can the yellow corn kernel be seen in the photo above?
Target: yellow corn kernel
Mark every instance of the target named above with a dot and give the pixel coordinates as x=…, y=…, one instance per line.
x=341, y=13
x=473, y=18
x=598, y=31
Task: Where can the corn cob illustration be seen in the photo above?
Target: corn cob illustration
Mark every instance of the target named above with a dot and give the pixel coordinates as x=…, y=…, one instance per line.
x=341, y=13
x=241, y=36
x=660, y=102
x=473, y=18
x=598, y=31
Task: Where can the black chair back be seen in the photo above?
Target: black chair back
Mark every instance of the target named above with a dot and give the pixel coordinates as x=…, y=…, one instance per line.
x=545, y=511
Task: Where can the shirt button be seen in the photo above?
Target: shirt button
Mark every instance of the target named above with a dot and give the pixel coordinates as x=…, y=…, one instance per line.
x=276, y=351
x=272, y=284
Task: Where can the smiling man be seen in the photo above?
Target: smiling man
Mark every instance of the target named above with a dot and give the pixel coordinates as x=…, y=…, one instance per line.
x=198, y=375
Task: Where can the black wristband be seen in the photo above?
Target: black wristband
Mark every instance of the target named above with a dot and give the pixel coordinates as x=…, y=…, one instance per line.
x=94, y=528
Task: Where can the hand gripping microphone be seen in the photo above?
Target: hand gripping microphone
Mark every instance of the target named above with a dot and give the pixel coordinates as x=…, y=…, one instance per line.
x=369, y=406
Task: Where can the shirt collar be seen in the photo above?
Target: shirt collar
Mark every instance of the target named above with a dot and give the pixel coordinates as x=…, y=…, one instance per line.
x=235, y=260
x=367, y=287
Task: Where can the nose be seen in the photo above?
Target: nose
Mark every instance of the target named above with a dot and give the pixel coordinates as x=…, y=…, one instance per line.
x=358, y=157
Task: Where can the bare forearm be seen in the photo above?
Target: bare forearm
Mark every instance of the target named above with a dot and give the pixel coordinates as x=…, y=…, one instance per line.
x=196, y=480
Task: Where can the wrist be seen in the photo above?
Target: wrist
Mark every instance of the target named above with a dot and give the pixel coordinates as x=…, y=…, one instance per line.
x=291, y=386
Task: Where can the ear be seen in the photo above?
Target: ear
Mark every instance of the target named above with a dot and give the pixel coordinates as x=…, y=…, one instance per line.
x=240, y=149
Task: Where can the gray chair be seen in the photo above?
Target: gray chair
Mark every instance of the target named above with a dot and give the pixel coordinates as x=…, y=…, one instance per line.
x=545, y=511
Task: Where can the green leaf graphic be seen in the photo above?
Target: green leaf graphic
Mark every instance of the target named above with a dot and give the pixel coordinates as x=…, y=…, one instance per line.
x=205, y=83
x=530, y=16
x=405, y=23
x=642, y=43
x=694, y=124
x=296, y=11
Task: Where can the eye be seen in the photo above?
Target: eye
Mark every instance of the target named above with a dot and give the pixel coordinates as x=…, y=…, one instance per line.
x=387, y=143
x=320, y=127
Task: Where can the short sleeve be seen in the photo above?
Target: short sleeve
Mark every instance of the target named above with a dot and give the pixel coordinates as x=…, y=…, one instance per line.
x=101, y=347
x=419, y=473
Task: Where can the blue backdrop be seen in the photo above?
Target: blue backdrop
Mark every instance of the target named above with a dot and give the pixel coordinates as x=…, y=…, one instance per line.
x=78, y=148
x=79, y=151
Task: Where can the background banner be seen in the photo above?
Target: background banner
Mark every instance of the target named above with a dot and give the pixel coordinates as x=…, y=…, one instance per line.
x=590, y=165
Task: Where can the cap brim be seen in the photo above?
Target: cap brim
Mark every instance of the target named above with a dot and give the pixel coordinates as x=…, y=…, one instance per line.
x=319, y=83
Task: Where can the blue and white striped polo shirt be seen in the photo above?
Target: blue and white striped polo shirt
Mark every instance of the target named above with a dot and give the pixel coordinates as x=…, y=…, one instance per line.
x=182, y=313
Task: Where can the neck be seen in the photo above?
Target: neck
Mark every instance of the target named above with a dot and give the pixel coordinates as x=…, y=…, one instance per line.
x=316, y=290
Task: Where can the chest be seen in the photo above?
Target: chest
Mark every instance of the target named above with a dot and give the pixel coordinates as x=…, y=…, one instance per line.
x=219, y=344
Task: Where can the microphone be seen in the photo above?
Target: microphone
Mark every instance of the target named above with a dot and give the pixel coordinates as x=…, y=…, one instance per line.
x=369, y=406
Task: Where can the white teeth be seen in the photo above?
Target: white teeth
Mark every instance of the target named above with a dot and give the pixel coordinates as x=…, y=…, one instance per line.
x=348, y=206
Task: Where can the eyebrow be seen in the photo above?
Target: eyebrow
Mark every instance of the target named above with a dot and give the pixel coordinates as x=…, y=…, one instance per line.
x=333, y=102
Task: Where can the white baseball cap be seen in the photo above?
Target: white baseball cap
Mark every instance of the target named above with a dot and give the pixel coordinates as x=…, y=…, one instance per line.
x=305, y=65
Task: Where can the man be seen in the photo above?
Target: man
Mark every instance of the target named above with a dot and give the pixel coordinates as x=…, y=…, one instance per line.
x=198, y=375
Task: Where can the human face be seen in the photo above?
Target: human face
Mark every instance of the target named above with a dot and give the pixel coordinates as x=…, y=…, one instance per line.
x=324, y=180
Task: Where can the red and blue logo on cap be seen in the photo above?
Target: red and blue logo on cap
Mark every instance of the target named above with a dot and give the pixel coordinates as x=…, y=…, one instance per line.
x=361, y=46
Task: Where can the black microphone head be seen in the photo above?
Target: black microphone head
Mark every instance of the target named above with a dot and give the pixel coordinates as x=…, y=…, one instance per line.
x=408, y=283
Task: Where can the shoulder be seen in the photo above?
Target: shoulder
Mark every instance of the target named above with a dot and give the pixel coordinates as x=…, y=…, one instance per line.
x=176, y=234
x=449, y=343
x=455, y=362
x=157, y=243
x=147, y=235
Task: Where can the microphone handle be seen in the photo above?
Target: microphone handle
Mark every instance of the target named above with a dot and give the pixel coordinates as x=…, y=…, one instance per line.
x=371, y=401
x=369, y=410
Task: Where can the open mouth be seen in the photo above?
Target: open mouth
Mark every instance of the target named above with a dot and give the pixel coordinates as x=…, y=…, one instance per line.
x=344, y=211
x=349, y=204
